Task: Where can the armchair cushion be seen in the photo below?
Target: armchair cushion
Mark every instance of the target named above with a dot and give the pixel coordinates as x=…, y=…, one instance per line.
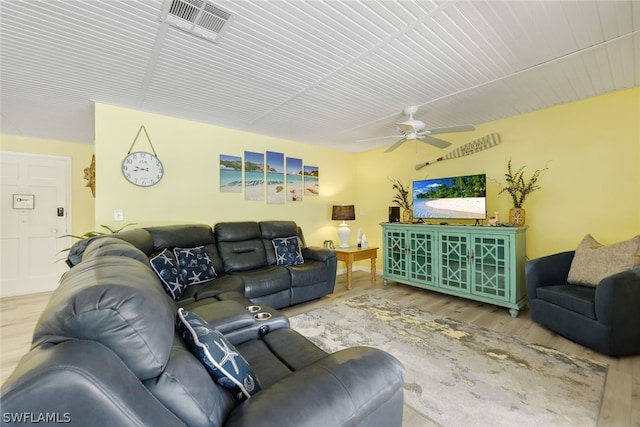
x=593, y=261
x=221, y=359
x=579, y=299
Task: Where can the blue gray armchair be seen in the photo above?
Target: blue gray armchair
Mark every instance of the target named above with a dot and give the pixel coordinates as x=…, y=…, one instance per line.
x=605, y=318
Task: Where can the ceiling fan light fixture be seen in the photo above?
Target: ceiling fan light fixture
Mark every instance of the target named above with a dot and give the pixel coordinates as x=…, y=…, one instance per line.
x=409, y=126
x=415, y=130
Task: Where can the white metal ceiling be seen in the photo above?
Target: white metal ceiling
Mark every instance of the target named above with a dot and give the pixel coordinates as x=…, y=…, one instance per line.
x=322, y=72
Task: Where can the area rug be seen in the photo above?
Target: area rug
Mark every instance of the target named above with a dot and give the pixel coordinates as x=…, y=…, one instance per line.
x=462, y=375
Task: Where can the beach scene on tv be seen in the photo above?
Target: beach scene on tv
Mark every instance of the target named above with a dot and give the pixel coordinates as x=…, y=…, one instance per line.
x=460, y=197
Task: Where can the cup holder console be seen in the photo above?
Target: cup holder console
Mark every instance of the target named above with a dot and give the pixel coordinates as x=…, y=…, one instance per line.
x=257, y=313
x=262, y=316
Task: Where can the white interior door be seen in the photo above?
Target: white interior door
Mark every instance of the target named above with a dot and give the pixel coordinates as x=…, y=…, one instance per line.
x=35, y=214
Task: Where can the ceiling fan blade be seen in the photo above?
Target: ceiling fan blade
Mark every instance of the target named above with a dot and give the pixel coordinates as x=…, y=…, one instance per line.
x=440, y=143
x=379, y=137
x=394, y=146
x=451, y=129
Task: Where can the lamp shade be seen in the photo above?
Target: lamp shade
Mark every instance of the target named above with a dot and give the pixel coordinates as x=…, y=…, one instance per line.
x=343, y=213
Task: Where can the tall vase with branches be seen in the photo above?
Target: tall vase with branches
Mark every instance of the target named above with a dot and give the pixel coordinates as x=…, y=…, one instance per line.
x=518, y=187
x=403, y=199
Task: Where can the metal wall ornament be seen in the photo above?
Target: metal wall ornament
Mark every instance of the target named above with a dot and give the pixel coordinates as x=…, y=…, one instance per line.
x=90, y=176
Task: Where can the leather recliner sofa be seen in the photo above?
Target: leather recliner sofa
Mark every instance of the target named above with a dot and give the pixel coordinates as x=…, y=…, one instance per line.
x=243, y=257
x=106, y=352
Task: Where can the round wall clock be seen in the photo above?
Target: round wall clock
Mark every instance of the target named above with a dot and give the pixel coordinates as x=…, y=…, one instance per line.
x=142, y=169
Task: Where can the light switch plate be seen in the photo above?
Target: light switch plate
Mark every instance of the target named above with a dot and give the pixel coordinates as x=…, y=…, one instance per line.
x=118, y=215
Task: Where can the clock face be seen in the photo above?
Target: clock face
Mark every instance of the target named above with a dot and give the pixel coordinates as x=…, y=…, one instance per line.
x=142, y=169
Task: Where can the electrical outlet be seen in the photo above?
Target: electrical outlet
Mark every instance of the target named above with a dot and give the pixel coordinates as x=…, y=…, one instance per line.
x=118, y=215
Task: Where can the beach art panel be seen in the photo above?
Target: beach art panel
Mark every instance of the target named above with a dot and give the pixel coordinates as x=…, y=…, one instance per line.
x=253, y=176
x=294, y=179
x=311, y=181
x=230, y=174
x=275, y=178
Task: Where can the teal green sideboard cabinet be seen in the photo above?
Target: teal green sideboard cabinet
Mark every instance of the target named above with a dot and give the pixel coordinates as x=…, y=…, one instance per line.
x=475, y=262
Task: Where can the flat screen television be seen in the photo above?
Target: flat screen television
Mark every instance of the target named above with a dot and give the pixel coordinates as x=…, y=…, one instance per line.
x=457, y=197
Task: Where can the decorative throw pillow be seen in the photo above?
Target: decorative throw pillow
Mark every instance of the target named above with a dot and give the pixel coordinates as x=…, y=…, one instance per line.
x=195, y=264
x=166, y=268
x=593, y=262
x=288, y=251
x=221, y=359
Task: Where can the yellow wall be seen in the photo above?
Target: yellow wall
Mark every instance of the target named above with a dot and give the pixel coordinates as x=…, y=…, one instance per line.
x=591, y=147
x=189, y=191
x=592, y=150
x=82, y=202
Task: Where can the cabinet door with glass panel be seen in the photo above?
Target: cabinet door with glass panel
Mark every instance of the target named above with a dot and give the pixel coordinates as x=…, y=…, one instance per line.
x=491, y=266
x=422, y=255
x=455, y=256
x=395, y=249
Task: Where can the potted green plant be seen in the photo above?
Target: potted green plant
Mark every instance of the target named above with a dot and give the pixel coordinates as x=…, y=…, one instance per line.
x=401, y=198
x=519, y=188
x=90, y=234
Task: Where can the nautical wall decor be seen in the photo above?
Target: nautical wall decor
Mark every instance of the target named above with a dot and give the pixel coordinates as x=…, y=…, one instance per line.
x=269, y=176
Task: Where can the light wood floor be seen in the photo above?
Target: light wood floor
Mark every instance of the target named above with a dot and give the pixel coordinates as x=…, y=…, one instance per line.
x=620, y=405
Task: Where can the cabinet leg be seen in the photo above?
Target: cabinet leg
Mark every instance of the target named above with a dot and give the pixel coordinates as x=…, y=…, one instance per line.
x=514, y=312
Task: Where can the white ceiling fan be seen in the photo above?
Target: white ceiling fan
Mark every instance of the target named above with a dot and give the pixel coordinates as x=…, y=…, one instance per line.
x=413, y=129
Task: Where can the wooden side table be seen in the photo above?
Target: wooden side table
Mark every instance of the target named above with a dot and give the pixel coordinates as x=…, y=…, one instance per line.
x=350, y=255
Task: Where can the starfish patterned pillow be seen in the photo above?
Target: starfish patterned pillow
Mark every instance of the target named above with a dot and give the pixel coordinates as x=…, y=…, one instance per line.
x=166, y=268
x=288, y=251
x=195, y=265
x=221, y=359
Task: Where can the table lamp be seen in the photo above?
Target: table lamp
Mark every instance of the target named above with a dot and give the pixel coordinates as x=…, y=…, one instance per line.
x=343, y=213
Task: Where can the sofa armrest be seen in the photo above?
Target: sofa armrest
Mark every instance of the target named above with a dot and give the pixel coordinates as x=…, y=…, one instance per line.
x=353, y=383
x=63, y=380
x=618, y=302
x=547, y=270
x=318, y=254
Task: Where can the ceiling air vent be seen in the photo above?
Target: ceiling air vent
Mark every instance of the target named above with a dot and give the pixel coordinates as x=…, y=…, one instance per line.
x=198, y=17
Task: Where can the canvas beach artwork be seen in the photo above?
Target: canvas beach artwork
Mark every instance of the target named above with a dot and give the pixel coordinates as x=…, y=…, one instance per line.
x=230, y=174
x=253, y=176
x=275, y=178
x=294, y=179
x=311, y=181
